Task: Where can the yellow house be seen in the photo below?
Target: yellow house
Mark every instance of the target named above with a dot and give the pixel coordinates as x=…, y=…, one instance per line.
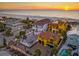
x=52, y=26
x=45, y=37
x=48, y=38
x=60, y=26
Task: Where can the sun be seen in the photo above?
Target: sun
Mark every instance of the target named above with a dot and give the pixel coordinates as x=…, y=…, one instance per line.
x=66, y=8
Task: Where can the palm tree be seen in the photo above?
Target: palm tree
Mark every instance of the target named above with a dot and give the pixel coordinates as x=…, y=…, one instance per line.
x=68, y=27
x=37, y=52
x=2, y=26
x=8, y=32
x=27, y=23
x=22, y=33
x=53, y=51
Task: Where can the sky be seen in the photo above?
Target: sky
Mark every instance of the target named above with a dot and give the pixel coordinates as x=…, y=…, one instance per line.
x=39, y=5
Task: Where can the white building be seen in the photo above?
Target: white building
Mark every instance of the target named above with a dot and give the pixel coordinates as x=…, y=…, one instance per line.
x=29, y=40
x=15, y=24
x=40, y=26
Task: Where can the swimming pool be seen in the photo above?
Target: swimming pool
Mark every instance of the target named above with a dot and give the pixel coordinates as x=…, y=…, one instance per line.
x=65, y=52
x=72, y=40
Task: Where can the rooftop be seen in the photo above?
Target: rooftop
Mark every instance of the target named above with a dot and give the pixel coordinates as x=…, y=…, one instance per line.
x=42, y=22
x=49, y=35
x=29, y=40
x=46, y=35
x=13, y=22
x=17, y=47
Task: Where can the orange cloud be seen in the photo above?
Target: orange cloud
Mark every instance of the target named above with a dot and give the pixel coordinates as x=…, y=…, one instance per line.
x=40, y=6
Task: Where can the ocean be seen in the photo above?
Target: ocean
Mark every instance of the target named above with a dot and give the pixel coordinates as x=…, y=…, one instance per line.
x=42, y=13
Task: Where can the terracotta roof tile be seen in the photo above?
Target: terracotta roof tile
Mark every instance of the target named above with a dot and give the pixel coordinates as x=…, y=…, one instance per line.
x=42, y=22
x=46, y=35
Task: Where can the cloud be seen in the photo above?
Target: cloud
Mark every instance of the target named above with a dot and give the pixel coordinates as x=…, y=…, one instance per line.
x=40, y=6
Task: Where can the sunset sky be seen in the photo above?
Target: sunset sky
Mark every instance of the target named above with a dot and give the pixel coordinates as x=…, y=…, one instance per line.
x=40, y=6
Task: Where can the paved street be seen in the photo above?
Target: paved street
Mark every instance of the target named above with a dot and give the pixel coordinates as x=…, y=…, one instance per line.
x=1, y=39
x=4, y=53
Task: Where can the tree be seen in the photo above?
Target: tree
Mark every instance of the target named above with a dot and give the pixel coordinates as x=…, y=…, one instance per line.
x=53, y=51
x=27, y=18
x=2, y=26
x=17, y=38
x=26, y=27
x=64, y=38
x=8, y=32
x=22, y=33
x=37, y=52
x=3, y=17
x=4, y=42
x=68, y=27
x=27, y=23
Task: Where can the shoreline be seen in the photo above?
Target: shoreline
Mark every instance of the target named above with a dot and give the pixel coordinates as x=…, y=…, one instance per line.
x=42, y=13
x=36, y=16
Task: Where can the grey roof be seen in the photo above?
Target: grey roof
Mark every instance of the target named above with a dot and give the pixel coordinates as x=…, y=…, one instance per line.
x=30, y=40
x=13, y=21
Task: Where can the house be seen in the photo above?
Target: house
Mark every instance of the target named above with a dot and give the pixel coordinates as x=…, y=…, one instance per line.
x=72, y=43
x=1, y=19
x=49, y=38
x=18, y=47
x=29, y=40
x=40, y=26
x=53, y=26
x=63, y=25
x=15, y=24
x=45, y=37
x=58, y=26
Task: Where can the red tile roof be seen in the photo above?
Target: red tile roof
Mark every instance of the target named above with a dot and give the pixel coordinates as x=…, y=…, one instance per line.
x=46, y=35
x=42, y=22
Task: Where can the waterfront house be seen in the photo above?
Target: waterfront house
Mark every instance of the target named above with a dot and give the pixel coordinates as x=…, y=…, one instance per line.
x=18, y=47
x=49, y=38
x=58, y=26
x=29, y=40
x=40, y=26
x=15, y=24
